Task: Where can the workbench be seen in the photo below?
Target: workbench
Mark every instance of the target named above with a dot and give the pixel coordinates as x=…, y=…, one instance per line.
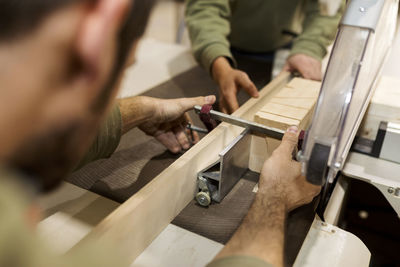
x=71, y=212
x=74, y=211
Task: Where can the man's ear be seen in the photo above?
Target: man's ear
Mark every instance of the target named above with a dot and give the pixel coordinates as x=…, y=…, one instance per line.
x=97, y=39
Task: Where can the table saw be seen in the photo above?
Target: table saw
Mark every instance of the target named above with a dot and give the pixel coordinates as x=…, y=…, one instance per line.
x=362, y=44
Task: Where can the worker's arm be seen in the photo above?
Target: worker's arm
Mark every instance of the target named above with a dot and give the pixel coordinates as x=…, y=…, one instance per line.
x=311, y=45
x=260, y=239
x=209, y=27
x=107, y=139
x=166, y=120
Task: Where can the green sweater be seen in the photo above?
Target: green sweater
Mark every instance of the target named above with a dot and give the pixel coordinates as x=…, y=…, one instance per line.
x=107, y=139
x=257, y=26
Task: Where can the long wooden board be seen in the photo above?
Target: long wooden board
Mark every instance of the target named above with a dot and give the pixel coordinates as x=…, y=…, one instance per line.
x=138, y=221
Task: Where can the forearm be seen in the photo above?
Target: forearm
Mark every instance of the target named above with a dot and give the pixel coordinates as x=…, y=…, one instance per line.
x=209, y=27
x=135, y=111
x=318, y=31
x=261, y=234
x=127, y=114
x=220, y=67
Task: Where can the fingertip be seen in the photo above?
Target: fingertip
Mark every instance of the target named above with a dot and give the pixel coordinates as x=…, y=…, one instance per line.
x=289, y=141
x=293, y=129
x=292, y=134
x=210, y=100
x=175, y=149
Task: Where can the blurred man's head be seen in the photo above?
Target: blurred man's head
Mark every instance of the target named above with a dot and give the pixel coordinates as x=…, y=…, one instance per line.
x=61, y=61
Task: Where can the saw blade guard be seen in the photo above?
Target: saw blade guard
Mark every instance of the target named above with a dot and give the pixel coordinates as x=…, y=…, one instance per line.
x=361, y=47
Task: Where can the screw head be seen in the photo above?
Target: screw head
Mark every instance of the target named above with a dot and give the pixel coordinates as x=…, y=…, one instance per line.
x=203, y=198
x=391, y=190
x=363, y=214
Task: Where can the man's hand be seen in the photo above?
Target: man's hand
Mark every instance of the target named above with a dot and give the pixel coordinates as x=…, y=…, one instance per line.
x=281, y=189
x=281, y=175
x=169, y=120
x=308, y=67
x=230, y=81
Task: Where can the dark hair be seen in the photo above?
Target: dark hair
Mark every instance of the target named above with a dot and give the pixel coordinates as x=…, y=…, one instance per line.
x=132, y=30
x=56, y=155
x=17, y=17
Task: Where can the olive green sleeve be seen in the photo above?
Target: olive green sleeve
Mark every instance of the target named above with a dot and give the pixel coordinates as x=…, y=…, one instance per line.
x=318, y=31
x=21, y=246
x=107, y=139
x=209, y=27
x=238, y=261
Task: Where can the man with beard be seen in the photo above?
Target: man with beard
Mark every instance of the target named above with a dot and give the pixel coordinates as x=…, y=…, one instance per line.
x=61, y=64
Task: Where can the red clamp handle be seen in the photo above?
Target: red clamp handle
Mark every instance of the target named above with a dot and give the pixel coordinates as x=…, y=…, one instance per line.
x=205, y=117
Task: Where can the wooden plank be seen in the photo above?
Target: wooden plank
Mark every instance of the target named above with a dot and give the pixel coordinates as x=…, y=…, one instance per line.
x=275, y=121
x=286, y=111
x=384, y=106
x=138, y=221
x=304, y=84
x=307, y=103
x=289, y=92
x=69, y=214
x=293, y=105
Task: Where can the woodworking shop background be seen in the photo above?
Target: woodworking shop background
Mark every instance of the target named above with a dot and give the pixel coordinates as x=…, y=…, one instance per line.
x=367, y=214
x=167, y=23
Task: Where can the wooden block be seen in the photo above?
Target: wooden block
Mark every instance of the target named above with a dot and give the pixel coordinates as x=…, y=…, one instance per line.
x=289, y=92
x=304, y=84
x=275, y=121
x=286, y=111
x=386, y=99
x=307, y=103
x=292, y=105
x=384, y=106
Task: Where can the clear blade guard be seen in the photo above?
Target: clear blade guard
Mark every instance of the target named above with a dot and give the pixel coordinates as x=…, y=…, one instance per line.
x=362, y=44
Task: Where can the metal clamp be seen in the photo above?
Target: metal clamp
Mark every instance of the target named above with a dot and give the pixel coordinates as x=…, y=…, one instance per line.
x=218, y=179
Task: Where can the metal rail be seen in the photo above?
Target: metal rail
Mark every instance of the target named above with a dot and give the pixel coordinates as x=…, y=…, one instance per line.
x=255, y=128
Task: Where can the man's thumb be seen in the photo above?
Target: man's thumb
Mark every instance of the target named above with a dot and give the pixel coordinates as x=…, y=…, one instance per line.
x=189, y=103
x=289, y=141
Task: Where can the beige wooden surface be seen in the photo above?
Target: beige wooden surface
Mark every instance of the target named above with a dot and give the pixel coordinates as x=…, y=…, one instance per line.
x=384, y=106
x=293, y=105
x=70, y=213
